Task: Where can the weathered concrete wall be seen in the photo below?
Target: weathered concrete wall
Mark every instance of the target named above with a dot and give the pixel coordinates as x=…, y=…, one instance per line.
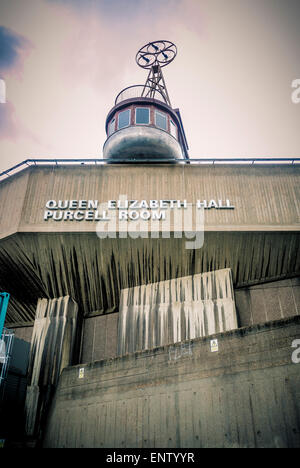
x=273, y=301
x=52, y=349
x=93, y=271
x=265, y=196
x=23, y=333
x=257, y=304
x=244, y=395
x=268, y=301
x=259, y=238
x=171, y=311
x=99, y=338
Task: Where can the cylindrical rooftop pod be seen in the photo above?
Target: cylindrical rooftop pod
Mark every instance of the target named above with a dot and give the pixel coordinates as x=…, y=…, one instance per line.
x=142, y=123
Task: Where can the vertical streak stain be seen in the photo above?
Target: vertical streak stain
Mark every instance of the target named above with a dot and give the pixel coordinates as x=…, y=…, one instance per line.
x=162, y=313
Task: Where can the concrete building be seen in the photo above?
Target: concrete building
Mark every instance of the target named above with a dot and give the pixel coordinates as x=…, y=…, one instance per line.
x=147, y=329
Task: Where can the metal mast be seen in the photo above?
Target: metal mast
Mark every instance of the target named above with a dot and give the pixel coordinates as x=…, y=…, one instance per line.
x=153, y=56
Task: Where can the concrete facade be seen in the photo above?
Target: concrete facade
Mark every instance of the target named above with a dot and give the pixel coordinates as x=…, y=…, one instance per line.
x=52, y=349
x=93, y=271
x=99, y=337
x=265, y=196
x=259, y=237
x=268, y=301
x=244, y=395
x=254, y=305
x=180, y=394
x=176, y=310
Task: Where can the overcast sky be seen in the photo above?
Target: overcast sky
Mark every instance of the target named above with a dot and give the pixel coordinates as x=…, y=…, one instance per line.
x=64, y=61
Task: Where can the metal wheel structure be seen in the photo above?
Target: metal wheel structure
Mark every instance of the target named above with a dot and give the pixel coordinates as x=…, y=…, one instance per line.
x=153, y=56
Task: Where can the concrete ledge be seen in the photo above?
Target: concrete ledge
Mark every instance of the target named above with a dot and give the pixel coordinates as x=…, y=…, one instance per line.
x=238, y=351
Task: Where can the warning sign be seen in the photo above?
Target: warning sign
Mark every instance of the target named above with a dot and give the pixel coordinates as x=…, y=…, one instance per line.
x=214, y=346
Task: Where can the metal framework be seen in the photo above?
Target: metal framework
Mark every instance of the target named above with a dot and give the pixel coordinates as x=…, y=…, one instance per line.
x=154, y=56
x=137, y=91
x=4, y=298
x=6, y=341
x=6, y=344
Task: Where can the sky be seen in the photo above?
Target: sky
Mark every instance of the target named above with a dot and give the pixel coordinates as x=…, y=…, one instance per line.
x=63, y=62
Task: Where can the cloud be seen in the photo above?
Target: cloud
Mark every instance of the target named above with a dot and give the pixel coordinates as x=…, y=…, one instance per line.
x=11, y=126
x=100, y=45
x=8, y=122
x=116, y=9
x=13, y=48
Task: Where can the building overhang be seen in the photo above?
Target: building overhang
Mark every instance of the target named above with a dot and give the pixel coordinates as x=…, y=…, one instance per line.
x=258, y=238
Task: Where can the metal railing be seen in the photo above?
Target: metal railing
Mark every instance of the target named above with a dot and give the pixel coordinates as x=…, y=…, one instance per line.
x=6, y=343
x=102, y=162
x=137, y=91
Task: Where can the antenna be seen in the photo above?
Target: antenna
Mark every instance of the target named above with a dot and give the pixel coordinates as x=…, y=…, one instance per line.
x=154, y=56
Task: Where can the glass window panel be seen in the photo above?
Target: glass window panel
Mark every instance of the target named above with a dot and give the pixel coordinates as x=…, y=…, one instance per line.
x=161, y=120
x=142, y=115
x=111, y=127
x=124, y=119
x=173, y=129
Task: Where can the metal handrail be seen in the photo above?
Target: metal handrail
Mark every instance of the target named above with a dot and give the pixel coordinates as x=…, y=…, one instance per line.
x=102, y=162
x=132, y=92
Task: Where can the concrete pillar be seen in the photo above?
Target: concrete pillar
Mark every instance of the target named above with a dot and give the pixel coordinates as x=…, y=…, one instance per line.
x=52, y=349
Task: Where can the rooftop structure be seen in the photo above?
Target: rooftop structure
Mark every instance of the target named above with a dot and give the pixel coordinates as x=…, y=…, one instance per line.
x=142, y=124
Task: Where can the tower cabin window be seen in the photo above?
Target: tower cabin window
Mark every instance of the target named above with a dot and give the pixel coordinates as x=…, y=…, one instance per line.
x=111, y=127
x=142, y=116
x=124, y=119
x=161, y=120
x=173, y=129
